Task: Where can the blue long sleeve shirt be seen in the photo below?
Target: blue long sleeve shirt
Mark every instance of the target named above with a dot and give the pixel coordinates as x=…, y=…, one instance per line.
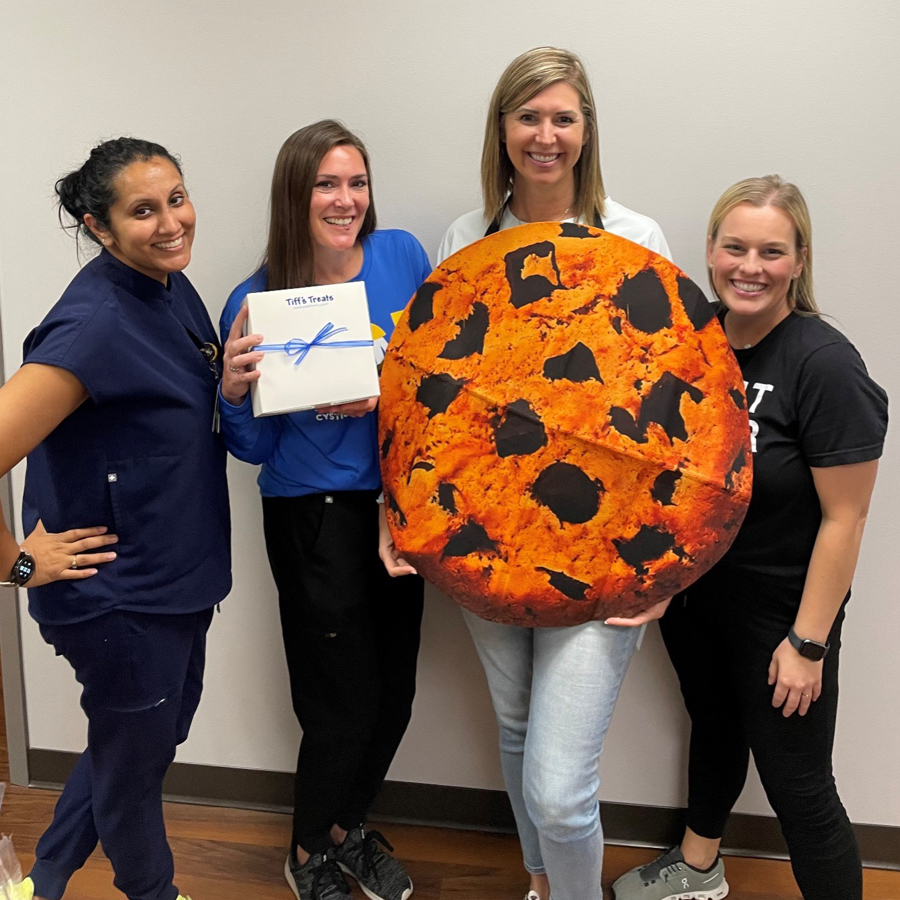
x=311, y=452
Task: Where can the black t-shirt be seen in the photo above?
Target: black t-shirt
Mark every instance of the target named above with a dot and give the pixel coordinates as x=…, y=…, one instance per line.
x=811, y=404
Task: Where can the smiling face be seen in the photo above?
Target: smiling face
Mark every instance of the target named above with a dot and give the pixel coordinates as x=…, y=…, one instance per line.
x=753, y=259
x=544, y=136
x=340, y=198
x=151, y=221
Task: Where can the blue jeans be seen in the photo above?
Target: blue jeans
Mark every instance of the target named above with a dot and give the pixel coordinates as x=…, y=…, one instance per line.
x=554, y=691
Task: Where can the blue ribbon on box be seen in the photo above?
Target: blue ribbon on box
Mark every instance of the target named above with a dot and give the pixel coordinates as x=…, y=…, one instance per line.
x=323, y=340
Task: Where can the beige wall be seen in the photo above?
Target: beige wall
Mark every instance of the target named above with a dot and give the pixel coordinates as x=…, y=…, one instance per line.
x=692, y=96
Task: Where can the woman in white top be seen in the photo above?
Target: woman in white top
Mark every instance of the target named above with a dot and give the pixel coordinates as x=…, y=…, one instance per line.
x=553, y=689
x=541, y=157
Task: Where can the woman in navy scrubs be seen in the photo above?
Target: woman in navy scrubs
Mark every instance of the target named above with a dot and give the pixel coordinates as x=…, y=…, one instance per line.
x=113, y=407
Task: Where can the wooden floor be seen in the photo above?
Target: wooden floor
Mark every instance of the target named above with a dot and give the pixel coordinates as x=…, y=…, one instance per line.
x=227, y=854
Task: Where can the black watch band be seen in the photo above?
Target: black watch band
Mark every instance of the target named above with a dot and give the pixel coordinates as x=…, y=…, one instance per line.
x=22, y=570
x=806, y=648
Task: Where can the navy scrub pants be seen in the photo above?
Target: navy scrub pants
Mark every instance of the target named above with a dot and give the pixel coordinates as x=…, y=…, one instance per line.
x=141, y=676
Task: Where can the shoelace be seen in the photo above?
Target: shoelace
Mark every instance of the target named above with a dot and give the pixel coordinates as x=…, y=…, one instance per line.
x=370, y=850
x=671, y=869
x=328, y=875
x=653, y=870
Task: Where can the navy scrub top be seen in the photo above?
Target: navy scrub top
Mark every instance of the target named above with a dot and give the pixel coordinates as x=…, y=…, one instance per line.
x=139, y=455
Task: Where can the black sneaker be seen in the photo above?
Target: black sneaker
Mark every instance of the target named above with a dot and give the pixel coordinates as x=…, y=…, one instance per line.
x=319, y=878
x=380, y=876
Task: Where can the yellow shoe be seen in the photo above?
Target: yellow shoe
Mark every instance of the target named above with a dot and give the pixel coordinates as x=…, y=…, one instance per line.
x=22, y=890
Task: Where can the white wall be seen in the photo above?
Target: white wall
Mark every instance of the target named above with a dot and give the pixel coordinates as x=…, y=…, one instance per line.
x=692, y=96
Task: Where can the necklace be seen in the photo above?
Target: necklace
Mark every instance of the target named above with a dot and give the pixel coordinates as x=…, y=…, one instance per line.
x=733, y=339
x=559, y=218
x=736, y=344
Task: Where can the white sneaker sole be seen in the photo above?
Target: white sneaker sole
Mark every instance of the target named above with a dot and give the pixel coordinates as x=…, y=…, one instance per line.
x=371, y=894
x=716, y=894
x=289, y=878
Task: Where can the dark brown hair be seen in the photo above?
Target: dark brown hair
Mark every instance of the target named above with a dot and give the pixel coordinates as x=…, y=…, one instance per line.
x=289, y=253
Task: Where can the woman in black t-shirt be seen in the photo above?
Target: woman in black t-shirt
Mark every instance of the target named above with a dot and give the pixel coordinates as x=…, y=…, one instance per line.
x=766, y=620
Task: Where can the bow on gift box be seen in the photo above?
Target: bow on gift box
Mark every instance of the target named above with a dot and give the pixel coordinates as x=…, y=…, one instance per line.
x=323, y=340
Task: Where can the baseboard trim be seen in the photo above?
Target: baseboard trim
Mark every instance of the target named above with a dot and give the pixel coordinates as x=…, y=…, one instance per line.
x=470, y=808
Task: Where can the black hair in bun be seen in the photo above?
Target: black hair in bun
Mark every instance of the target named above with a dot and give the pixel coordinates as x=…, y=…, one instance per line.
x=90, y=188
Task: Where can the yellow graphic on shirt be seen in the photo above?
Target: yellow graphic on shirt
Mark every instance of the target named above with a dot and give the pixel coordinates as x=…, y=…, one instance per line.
x=380, y=343
x=380, y=338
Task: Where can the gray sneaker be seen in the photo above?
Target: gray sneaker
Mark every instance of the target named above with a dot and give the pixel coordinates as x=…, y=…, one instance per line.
x=669, y=877
x=380, y=876
x=319, y=878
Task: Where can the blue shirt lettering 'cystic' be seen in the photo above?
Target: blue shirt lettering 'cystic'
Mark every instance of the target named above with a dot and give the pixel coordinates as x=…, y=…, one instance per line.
x=309, y=452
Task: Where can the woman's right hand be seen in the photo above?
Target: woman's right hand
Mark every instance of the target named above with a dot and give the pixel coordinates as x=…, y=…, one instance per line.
x=393, y=562
x=65, y=556
x=237, y=359
x=655, y=612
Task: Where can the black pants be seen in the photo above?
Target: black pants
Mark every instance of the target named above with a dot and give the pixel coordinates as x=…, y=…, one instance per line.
x=720, y=637
x=351, y=637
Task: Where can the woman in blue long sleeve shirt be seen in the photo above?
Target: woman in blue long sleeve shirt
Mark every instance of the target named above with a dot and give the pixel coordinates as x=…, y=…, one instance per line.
x=351, y=635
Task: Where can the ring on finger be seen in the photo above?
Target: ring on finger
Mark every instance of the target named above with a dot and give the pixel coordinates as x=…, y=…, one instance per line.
x=234, y=368
x=804, y=695
x=74, y=563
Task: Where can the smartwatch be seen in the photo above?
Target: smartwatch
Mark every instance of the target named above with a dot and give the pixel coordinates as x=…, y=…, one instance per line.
x=806, y=648
x=22, y=570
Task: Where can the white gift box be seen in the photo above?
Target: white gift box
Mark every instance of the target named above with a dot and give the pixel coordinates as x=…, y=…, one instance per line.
x=318, y=347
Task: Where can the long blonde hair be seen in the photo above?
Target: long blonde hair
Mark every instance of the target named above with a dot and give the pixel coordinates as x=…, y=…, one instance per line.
x=771, y=190
x=524, y=77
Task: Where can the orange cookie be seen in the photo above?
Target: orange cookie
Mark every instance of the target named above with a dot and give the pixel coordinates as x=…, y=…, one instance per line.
x=563, y=428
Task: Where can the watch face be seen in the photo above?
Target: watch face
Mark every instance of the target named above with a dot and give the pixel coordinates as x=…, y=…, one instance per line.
x=23, y=569
x=812, y=650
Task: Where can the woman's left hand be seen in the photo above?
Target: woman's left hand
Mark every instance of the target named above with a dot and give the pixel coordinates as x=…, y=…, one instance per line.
x=648, y=615
x=393, y=562
x=355, y=408
x=797, y=680
x=67, y=555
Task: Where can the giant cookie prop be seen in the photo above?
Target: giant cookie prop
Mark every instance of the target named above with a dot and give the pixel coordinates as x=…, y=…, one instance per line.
x=563, y=428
